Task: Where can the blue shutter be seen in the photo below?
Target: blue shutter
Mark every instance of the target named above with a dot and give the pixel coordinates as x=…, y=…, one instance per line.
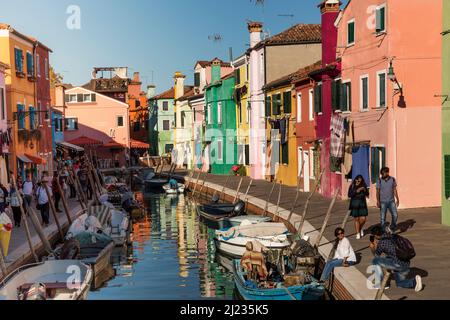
x=21, y=116
x=32, y=118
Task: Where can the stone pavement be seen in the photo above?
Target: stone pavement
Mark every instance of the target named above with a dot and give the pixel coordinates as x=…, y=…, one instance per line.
x=421, y=226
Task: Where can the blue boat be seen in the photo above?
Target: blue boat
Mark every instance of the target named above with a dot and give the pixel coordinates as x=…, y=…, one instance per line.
x=249, y=291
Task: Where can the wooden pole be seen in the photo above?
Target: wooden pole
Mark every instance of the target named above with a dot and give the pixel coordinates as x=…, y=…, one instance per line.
x=63, y=198
x=297, y=195
x=80, y=199
x=380, y=292
x=305, y=209
x=279, y=199
x=196, y=183
x=327, y=218
x=25, y=222
x=248, y=188
x=238, y=189
x=268, y=199
x=83, y=195
x=39, y=230
x=347, y=216
x=93, y=187
x=187, y=182
x=224, y=187
x=53, y=210
x=203, y=184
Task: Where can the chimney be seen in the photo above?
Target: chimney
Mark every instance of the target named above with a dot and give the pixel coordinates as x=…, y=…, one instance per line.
x=136, y=77
x=179, y=84
x=329, y=10
x=255, y=29
x=216, y=66
x=151, y=91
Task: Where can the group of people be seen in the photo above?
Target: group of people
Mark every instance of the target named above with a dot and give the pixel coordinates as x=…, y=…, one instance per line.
x=385, y=244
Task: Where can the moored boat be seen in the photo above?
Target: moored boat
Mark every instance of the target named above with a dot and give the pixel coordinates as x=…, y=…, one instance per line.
x=178, y=190
x=217, y=216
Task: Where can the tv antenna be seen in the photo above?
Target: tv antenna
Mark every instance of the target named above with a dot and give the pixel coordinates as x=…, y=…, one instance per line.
x=216, y=37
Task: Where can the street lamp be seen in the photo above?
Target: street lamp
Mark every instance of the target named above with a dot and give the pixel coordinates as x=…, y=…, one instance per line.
x=392, y=76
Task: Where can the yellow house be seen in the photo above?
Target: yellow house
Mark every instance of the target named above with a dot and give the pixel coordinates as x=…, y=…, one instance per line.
x=241, y=95
x=281, y=159
x=18, y=50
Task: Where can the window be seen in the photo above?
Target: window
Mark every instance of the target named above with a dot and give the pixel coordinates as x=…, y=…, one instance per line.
x=346, y=96
x=240, y=112
x=378, y=161
x=30, y=64
x=71, y=124
x=299, y=108
x=46, y=68
x=183, y=116
x=209, y=113
x=380, y=19
x=381, y=89
x=136, y=126
x=2, y=104
x=351, y=32
x=219, y=150
x=165, y=105
x=38, y=65
x=241, y=154
x=39, y=109
x=287, y=102
x=21, y=116
x=120, y=121
x=237, y=76
x=166, y=125
x=336, y=94
x=18, y=60
x=219, y=113
x=197, y=79
x=318, y=98
x=268, y=106
x=58, y=125
x=276, y=104
x=87, y=97
x=311, y=164
x=32, y=118
x=247, y=155
x=285, y=153
x=311, y=105
x=364, y=96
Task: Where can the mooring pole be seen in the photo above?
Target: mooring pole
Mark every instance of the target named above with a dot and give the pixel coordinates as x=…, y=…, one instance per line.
x=268, y=199
x=196, y=183
x=38, y=227
x=297, y=195
x=279, y=199
x=238, y=189
x=63, y=198
x=327, y=218
x=53, y=210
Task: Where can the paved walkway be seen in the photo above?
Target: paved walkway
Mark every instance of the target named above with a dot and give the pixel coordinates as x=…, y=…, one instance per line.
x=421, y=226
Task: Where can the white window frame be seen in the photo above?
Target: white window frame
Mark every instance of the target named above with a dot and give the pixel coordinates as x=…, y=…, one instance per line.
x=46, y=69
x=347, y=102
x=299, y=107
x=209, y=118
x=385, y=20
x=378, y=88
x=220, y=150
x=164, y=121
x=71, y=118
x=164, y=102
x=349, y=44
x=84, y=97
x=70, y=98
x=219, y=112
x=117, y=121
x=38, y=65
x=312, y=152
x=361, y=105
x=311, y=104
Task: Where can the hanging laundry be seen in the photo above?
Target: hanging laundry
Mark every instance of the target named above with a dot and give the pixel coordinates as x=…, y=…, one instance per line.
x=361, y=162
x=337, y=136
x=335, y=164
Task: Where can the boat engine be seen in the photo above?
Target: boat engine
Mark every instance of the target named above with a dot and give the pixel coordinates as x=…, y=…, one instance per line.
x=215, y=198
x=239, y=208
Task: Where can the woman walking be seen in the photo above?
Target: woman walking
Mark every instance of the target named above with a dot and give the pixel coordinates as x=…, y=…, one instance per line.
x=358, y=192
x=16, y=203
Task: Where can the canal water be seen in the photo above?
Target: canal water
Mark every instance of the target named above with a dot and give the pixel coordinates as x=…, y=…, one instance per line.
x=172, y=257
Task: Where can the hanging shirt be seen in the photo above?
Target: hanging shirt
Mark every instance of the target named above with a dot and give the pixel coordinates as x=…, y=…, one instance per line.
x=337, y=136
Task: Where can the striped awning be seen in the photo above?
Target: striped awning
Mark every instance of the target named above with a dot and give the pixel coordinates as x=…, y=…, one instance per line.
x=135, y=144
x=36, y=159
x=23, y=158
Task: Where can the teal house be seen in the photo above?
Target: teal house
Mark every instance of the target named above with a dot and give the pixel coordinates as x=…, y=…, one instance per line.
x=220, y=118
x=446, y=113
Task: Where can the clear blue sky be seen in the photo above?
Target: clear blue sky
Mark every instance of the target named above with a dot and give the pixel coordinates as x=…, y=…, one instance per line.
x=150, y=36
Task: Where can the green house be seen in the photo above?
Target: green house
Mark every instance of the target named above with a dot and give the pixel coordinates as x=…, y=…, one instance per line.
x=220, y=116
x=446, y=113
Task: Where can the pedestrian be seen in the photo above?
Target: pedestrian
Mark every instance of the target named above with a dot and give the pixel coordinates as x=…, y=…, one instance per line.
x=385, y=249
x=56, y=193
x=344, y=255
x=27, y=190
x=358, y=192
x=43, y=202
x=386, y=193
x=3, y=198
x=16, y=203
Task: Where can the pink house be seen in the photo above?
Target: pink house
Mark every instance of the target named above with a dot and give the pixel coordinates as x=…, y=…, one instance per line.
x=390, y=52
x=98, y=123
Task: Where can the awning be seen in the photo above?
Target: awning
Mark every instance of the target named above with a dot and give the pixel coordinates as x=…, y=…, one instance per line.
x=70, y=146
x=23, y=158
x=114, y=145
x=139, y=145
x=35, y=159
x=86, y=141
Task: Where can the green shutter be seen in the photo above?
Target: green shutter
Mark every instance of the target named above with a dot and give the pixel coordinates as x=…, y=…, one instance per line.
x=383, y=157
x=316, y=99
x=334, y=95
x=268, y=106
x=287, y=102
x=375, y=164
x=349, y=87
x=285, y=153
x=351, y=33
x=93, y=97
x=276, y=104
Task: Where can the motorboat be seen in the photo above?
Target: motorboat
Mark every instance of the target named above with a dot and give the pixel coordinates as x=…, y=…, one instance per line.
x=216, y=215
x=170, y=190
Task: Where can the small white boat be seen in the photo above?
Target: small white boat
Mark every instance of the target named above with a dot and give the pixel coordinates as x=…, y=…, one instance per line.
x=232, y=242
x=49, y=280
x=250, y=219
x=170, y=190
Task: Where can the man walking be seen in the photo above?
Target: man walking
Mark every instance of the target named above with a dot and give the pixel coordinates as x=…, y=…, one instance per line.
x=27, y=190
x=43, y=202
x=386, y=193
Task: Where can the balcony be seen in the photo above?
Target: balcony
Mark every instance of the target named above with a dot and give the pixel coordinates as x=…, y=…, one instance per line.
x=20, y=74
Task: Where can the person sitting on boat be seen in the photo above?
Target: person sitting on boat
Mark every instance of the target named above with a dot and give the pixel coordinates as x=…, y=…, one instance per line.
x=344, y=256
x=253, y=262
x=173, y=184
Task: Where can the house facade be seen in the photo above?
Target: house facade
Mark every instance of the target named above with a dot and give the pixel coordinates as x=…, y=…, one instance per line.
x=446, y=113
x=4, y=132
x=270, y=59
x=137, y=100
x=161, y=109
x=389, y=68
x=99, y=123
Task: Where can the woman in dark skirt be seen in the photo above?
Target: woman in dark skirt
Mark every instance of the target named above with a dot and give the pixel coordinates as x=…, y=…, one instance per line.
x=358, y=192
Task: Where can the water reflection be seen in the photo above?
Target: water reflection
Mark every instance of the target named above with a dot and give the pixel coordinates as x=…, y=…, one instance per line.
x=172, y=257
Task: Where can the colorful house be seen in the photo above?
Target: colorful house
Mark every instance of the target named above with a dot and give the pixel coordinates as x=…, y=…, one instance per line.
x=241, y=95
x=18, y=51
x=4, y=132
x=270, y=59
x=220, y=113
x=98, y=123
x=389, y=66
x=308, y=157
x=139, y=124
x=446, y=113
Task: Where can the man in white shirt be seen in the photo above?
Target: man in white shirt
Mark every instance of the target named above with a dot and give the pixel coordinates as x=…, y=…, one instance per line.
x=344, y=255
x=43, y=201
x=27, y=189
